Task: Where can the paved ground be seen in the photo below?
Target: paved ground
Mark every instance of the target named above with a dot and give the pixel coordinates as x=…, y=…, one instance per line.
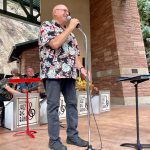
x=116, y=127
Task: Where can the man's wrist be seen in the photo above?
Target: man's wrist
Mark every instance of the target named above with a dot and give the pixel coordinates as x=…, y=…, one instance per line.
x=81, y=68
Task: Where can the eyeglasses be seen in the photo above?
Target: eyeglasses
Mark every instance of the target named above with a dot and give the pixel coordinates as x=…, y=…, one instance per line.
x=65, y=10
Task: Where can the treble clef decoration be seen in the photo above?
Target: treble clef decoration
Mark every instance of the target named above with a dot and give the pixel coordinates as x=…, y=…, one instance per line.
x=62, y=108
x=31, y=111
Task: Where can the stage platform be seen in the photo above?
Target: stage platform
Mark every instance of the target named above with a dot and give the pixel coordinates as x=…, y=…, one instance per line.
x=116, y=127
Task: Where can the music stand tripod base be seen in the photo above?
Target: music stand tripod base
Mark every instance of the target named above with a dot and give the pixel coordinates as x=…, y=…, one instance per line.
x=136, y=146
x=90, y=147
x=26, y=132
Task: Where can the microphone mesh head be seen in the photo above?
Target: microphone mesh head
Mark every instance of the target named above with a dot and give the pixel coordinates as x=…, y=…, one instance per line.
x=68, y=17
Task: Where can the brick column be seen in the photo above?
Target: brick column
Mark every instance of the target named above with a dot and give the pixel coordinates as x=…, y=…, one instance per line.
x=117, y=48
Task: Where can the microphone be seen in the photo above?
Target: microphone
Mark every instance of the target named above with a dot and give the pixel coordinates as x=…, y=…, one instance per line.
x=69, y=18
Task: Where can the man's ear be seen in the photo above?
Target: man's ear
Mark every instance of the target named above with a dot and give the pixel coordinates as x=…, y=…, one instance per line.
x=55, y=12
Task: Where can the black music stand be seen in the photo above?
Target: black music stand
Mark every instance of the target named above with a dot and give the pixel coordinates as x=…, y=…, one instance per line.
x=136, y=80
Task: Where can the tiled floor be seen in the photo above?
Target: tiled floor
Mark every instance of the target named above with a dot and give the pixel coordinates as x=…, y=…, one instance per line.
x=116, y=127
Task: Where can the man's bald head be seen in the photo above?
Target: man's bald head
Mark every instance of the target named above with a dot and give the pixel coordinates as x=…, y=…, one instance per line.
x=59, y=7
x=60, y=13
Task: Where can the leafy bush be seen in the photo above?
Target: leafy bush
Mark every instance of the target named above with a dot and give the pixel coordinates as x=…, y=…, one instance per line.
x=144, y=11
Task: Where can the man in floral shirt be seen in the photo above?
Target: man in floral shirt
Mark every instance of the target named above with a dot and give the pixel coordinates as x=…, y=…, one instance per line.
x=59, y=61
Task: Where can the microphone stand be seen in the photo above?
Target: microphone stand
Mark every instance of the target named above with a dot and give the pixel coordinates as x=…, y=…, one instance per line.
x=87, y=90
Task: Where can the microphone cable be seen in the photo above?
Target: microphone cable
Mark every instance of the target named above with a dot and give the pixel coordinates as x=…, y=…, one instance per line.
x=98, y=130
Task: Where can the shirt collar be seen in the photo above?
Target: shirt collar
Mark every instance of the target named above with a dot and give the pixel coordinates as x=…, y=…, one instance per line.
x=57, y=24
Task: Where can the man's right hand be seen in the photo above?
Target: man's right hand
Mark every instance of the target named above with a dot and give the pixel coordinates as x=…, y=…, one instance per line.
x=84, y=74
x=73, y=23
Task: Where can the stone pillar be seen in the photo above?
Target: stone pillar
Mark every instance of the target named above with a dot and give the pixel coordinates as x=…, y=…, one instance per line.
x=117, y=48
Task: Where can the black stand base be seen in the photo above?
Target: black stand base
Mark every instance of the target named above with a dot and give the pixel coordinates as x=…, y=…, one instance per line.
x=90, y=147
x=136, y=146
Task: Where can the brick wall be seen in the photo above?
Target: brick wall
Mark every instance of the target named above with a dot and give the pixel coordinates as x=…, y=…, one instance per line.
x=30, y=57
x=128, y=34
x=117, y=47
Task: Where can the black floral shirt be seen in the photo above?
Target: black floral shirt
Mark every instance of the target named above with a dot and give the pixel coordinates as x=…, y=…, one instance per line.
x=60, y=63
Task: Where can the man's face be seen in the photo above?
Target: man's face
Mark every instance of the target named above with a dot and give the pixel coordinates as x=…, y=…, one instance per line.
x=30, y=72
x=61, y=12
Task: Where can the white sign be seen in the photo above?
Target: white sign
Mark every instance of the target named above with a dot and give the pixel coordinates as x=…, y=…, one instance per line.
x=104, y=100
x=32, y=111
x=15, y=111
x=82, y=103
x=43, y=110
x=62, y=108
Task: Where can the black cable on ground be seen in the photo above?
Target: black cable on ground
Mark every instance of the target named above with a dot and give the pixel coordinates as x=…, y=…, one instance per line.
x=99, y=134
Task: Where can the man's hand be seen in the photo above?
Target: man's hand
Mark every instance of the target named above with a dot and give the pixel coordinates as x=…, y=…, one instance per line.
x=84, y=73
x=73, y=23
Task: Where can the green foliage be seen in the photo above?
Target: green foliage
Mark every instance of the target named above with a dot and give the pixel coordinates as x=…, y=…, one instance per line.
x=144, y=11
x=146, y=31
